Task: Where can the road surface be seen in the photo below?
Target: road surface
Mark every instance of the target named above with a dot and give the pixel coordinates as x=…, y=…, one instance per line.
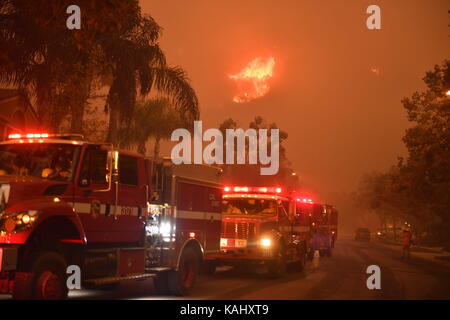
x=342, y=276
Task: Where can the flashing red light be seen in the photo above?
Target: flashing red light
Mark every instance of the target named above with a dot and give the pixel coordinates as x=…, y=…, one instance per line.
x=252, y=189
x=28, y=136
x=305, y=200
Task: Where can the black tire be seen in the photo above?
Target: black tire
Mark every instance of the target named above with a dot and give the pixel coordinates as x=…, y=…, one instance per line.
x=277, y=267
x=299, y=265
x=322, y=253
x=329, y=252
x=302, y=262
x=209, y=267
x=45, y=281
x=161, y=283
x=243, y=267
x=183, y=280
x=310, y=255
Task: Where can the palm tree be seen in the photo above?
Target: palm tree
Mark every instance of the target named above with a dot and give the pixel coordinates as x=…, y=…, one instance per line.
x=154, y=118
x=57, y=66
x=30, y=60
x=135, y=62
x=42, y=57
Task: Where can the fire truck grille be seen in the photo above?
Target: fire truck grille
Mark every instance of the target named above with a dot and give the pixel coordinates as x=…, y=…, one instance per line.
x=239, y=230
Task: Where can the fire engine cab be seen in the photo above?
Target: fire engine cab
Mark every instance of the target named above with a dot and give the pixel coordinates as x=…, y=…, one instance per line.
x=65, y=201
x=260, y=225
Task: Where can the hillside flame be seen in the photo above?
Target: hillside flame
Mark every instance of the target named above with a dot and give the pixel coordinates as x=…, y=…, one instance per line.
x=253, y=81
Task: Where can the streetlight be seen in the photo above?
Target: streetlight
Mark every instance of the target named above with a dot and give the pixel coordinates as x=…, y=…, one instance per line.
x=447, y=93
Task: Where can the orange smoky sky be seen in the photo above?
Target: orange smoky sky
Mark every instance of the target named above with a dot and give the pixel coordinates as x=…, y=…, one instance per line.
x=343, y=118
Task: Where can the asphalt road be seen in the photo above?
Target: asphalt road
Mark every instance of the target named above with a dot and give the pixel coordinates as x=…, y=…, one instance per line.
x=342, y=276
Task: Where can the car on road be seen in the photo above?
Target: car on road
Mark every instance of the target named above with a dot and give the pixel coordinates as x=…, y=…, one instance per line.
x=362, y=234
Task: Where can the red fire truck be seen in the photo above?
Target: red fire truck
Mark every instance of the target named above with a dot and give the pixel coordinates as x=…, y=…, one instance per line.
x=332, y=222
x=65, y=201
x=261, y=225
x=183, y=229
x=323, y=219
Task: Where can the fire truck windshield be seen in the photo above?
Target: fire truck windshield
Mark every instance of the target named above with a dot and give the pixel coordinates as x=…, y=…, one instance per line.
x=42, y=160
x=249, y=206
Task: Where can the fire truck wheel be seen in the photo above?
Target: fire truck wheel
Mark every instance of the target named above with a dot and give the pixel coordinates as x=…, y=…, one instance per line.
x=161, y=283
x=329, y=252
x=183, y=280
x=277, y=267
x=322, y=253
x=300, y=265
x=46, y=281
x=209, y=267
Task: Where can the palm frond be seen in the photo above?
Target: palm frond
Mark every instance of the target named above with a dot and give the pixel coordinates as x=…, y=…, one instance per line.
x=174, y=82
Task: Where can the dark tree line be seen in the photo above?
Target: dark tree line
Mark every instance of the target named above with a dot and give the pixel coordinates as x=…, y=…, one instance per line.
x=247, y=174
x=417, y=189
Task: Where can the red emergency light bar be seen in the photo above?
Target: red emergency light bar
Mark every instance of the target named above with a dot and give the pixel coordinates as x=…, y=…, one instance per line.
x=253, y=189
x=304, y=200
x=28, y=136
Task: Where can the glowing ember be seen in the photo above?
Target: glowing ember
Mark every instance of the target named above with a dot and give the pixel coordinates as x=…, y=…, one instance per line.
x=375, y=70
x=253, y=81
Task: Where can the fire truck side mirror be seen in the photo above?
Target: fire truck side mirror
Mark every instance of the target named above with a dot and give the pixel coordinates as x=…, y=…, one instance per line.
x=112, y=168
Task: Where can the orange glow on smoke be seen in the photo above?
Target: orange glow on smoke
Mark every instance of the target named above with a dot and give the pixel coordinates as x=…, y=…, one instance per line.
x=253, y=81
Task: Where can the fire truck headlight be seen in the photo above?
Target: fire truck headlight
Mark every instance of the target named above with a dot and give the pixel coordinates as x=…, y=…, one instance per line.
x=166, y=231
x=265, y=242
x=20, y=220
x=223, y=242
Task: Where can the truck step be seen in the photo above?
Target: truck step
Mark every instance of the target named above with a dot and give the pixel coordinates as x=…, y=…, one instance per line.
x=157, y=269
x=100, y=281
